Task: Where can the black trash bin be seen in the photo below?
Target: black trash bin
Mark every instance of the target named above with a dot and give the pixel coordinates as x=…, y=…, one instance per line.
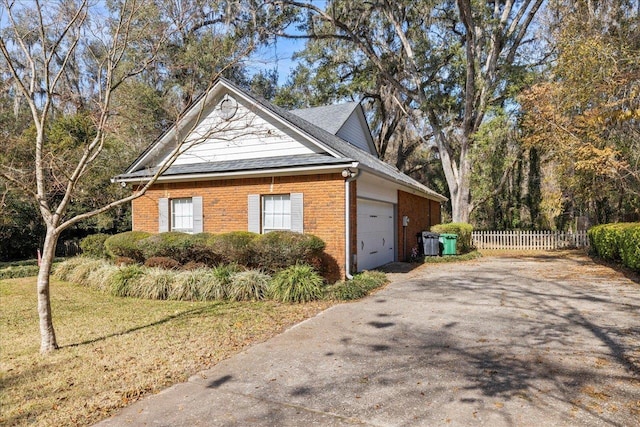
x=430, y=243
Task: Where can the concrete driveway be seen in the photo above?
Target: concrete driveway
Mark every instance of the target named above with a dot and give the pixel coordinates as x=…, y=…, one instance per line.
x=522, y=341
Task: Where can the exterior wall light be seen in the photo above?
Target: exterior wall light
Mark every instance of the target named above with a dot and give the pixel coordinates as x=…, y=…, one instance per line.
x=348, y=173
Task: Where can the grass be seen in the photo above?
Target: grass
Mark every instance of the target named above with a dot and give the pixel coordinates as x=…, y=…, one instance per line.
x=115, y=350
x=452, y=258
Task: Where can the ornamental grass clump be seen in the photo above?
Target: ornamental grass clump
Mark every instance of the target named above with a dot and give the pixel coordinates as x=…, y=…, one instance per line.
x=101, y=277
x=187, y=285
x=250, y=285
x=63, y=270
x=298, y=283
x=124, y=279
x=155, y=283
x=82, y=271
x=216, y=284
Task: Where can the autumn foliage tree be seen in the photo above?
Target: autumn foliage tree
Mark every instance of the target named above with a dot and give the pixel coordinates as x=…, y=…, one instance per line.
x=585, y=118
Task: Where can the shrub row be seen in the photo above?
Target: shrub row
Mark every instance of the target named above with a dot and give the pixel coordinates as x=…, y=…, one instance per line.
x=271, y=252
x=14, y=272
x=297, y=283
x=617, y=242
x=462, y=229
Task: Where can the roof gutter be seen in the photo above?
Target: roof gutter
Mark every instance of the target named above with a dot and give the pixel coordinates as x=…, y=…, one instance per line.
x=351, y=176
x=245, y=173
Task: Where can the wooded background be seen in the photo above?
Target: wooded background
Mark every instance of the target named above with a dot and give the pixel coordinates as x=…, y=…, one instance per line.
x=525, y=113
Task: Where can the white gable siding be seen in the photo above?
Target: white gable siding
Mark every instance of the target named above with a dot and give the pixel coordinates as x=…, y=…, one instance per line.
x=354, y=131
x=246, y=136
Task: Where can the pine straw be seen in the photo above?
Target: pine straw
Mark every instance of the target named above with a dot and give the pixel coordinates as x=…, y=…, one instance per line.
x=116, y=350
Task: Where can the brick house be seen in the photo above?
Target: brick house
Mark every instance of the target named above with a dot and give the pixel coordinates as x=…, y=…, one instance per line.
x=247, y=164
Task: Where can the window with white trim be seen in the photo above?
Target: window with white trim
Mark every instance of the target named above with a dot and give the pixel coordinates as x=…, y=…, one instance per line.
x=276, y=212
x=182, y=215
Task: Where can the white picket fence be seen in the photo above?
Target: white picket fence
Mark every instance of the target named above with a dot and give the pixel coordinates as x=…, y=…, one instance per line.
x=529, y=240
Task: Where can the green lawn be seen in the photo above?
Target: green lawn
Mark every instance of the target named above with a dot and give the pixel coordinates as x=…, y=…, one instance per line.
x=115, y=350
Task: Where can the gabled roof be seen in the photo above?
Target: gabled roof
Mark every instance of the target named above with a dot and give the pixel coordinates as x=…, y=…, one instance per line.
x=335, y=147
x=329, y=117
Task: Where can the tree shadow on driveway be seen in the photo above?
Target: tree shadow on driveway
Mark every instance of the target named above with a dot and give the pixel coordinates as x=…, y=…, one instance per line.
x=492, y=341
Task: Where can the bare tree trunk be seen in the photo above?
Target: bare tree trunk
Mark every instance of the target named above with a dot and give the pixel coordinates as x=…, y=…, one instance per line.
x=47, y=333
x=464, y=205
x=460, y=191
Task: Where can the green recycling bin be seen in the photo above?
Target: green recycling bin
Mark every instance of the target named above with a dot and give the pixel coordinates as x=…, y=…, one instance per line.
x=449, y=243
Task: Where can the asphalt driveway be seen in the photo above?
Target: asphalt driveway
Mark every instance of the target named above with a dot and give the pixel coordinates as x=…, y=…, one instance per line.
x=520, y=341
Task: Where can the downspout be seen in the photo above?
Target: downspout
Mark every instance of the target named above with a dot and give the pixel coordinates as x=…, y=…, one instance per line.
x=351, y=176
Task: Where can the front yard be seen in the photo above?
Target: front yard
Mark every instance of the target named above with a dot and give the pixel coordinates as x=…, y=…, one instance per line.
x=115, y=350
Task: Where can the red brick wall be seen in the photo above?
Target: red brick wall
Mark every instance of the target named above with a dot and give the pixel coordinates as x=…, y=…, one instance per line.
x=422, y=213
x=224, y=206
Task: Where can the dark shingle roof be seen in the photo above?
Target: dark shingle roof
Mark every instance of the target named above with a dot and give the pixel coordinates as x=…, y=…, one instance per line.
x=243, y=165
x=329, y=117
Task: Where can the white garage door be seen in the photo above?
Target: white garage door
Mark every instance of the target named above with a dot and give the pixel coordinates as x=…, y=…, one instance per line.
x=376, y=244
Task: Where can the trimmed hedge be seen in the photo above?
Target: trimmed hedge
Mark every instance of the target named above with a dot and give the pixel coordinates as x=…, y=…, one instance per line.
x=14, y=272
x=270, y=252
x=462, y=229
x=617, y=242
x=181, y=247
x=162, y=262
x=281, y=249
x=26, y=268
x=93, y=245
x=125, y=245
x=235, y=246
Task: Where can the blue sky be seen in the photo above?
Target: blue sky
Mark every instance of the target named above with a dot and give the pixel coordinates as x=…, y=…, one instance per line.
x=278, y=56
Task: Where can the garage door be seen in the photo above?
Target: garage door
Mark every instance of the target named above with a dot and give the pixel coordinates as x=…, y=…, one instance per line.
x=376, y=244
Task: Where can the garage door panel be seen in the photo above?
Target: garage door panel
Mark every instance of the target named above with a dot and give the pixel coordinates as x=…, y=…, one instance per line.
x=375, y=234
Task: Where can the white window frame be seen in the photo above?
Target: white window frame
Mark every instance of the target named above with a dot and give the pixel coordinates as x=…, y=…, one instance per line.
x=276, y=212
x=185, y=224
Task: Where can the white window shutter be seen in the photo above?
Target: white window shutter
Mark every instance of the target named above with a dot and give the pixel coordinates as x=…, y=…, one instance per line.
x=253, y=213
x=297, y=212
x=163, y=215
x=197, y=214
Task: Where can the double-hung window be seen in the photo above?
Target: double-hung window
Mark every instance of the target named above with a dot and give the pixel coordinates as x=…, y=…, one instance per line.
x=276, y=212
x=182, y=215
x=269, y=212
